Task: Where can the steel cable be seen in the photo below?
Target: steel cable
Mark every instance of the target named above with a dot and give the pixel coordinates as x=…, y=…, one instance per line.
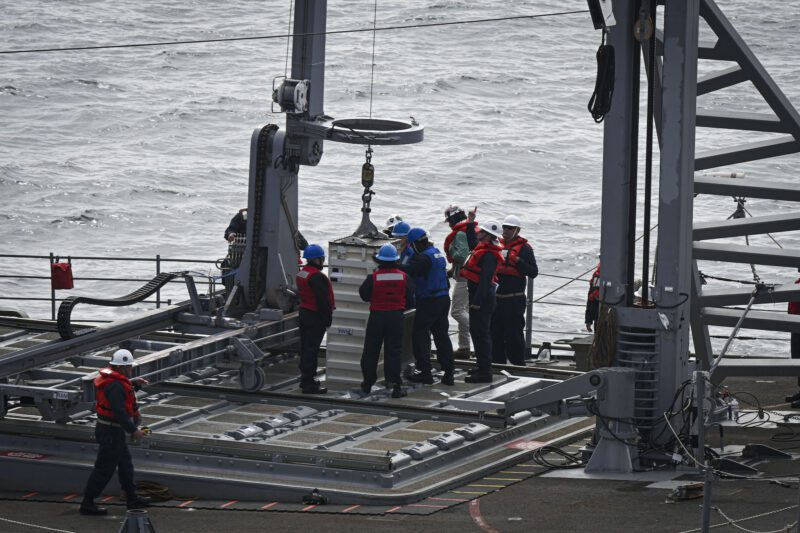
x=284, y=36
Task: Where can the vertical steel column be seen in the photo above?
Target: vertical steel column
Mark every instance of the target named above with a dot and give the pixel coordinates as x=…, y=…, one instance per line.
x=674, y=270
x=308, y=50
x=275, y=159
x=619, y=157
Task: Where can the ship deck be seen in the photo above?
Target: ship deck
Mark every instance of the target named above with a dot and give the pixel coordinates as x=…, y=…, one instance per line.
x=547, y=501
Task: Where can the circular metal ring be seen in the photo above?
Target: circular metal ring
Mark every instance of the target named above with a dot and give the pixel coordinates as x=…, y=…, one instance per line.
x=375, y=131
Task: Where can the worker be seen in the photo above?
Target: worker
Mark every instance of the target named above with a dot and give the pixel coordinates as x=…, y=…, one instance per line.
x=508, y=319
x=237, y=226
x=794, y=309
x=428, y=268
x=391, y=222
x=479, y=271
x=389, y=292
x=316, y=314
x=456, y=248
x=117, y=416
x=593, y=300
x=400, y=231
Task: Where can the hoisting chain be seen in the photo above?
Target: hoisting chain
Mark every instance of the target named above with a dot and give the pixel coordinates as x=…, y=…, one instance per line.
x=367, y=179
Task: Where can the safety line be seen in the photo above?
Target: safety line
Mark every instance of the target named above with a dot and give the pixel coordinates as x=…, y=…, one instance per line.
x=477, y=517
x=284, y=36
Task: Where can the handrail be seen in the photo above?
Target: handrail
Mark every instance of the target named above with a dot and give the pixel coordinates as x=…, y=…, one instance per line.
x=53, y=258
x=103, y=258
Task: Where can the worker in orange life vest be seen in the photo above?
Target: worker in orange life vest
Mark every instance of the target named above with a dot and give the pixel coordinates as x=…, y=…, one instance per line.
x=794, y=309
x=508, y=319
x=117, y=415
x=316, y=315
x=479, y=271
x=389, y=292
x=593, y=299
x=456, y=248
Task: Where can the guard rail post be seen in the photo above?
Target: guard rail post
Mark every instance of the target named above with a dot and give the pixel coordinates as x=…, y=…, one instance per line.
x=529, y=320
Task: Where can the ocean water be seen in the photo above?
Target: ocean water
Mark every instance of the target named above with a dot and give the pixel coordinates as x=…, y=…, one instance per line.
x=144, y=151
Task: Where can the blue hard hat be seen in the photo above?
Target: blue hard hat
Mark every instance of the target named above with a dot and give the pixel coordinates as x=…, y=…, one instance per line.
x=401, y=229
x=313, y=251
x=415, y=234
x=388, y=253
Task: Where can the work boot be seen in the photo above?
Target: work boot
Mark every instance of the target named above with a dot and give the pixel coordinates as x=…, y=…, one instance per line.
x=462, y=353
x=448, y=379
x=479, y=377
x=91, y=509
x=426, y=378
x=313, y=388
x=138, y=503
x=398, y=391
x=792, y=399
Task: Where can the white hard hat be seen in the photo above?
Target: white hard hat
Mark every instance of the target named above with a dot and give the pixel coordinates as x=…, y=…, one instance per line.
x=512, y=220
x=392, y=221
x=493, y=227
x=122, y=358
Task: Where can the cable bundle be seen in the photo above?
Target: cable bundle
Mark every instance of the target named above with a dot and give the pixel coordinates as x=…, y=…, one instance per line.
x=600, y=102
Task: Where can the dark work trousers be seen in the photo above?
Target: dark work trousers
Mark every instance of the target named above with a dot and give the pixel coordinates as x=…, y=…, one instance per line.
x=795, y=347
x=508, y=324
x=383, y=328
x=479, y=329
x=431, y=317
x=112, y=455
x=312, y=329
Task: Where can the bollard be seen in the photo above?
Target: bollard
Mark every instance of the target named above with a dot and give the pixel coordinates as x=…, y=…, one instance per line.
x=137, y=521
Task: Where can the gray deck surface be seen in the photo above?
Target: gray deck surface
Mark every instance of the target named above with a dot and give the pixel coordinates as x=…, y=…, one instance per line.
x=535, y=504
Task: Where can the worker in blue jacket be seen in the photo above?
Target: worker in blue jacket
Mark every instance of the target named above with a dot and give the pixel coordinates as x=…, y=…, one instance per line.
x=428, y=268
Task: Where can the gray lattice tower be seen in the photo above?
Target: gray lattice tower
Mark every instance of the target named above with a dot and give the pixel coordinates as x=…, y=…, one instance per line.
x=656, y=341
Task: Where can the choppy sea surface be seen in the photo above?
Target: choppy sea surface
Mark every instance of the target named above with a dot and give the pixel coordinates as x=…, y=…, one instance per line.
x=144, y=151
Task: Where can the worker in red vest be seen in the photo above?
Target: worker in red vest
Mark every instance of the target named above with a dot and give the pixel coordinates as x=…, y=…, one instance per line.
x=456, y=248
x=479, y=271
x=794, y=309
x=389, y=292
x=508, y=319
x=316, y=314
x=117, y=416
x=593, y=299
